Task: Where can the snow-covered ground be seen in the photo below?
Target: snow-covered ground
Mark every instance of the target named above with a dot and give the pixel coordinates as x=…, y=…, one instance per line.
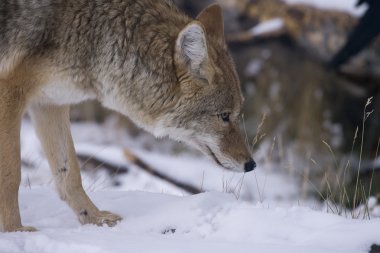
x=207, y=222
x=107, y=141
x=262, y=211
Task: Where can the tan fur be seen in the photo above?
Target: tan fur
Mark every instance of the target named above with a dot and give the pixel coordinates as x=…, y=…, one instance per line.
x=15, y=91
x=10, y=62
x=170, y=74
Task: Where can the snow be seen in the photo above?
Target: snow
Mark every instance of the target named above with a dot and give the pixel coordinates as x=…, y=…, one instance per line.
x=271, y=25
x=192, y=169
x=261, y=211
x=207, y=222
x=254, y=67
x=339, y=5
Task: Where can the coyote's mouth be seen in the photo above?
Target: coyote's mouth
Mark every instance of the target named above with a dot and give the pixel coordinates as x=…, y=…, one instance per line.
x=212, y=154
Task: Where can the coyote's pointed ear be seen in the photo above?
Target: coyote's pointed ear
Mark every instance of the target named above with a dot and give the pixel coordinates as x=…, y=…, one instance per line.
x=212, y=19
x=191, y=51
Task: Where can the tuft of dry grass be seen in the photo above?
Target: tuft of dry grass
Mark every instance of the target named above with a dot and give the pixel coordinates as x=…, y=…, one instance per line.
x=337, y=194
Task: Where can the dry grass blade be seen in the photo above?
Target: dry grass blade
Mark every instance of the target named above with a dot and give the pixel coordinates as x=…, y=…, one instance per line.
x=373, y=165
x=332, y=153
x=245, y=131
x=259, y=134
x=365, y=117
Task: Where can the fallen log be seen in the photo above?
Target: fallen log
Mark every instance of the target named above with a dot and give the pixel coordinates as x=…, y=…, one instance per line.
x=132, y=158
x=92, y=163
x=267, y=30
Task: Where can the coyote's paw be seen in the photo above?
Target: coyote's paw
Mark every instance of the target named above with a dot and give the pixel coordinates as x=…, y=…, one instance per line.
x=99, y=218
x=108, y=218
x=25, y=229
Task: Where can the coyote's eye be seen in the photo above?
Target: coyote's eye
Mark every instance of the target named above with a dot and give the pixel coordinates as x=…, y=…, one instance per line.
x=225, y=116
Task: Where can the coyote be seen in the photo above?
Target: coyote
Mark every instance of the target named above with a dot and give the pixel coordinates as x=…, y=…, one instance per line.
x=170, y=74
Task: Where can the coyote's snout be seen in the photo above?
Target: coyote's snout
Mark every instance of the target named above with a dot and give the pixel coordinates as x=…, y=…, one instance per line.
x=168, y=73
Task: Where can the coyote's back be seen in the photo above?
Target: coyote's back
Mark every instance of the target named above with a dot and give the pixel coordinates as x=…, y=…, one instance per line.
x=26, y=28
x=92, y=31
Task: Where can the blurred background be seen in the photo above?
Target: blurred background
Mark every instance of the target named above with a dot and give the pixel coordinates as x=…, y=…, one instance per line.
x=310, y=73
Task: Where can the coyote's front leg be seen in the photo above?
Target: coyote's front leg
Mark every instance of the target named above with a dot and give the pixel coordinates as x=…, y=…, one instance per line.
x=52, y=124
x=12, y=100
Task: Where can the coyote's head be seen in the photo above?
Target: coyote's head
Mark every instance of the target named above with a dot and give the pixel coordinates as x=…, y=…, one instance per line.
x=208, y=112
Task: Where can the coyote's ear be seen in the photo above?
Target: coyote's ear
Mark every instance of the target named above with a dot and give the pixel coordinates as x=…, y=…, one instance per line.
x=212, y=19
x=191, y=51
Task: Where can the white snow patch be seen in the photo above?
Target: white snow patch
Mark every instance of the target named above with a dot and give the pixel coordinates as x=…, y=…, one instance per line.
x=268, y=26
x=339, y=5
x=254, y=67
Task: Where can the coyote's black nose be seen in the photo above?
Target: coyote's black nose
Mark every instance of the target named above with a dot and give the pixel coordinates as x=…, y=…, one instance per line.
x=249, y=166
